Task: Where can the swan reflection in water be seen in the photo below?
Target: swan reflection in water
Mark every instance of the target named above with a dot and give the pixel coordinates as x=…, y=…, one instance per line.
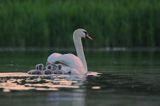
x=69, y=97
x=75, y=97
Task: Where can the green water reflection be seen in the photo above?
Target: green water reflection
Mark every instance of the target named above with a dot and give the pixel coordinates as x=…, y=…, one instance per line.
x=128, y=79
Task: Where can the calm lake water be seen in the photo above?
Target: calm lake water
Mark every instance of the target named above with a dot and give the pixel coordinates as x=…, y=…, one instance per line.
x=129, y=78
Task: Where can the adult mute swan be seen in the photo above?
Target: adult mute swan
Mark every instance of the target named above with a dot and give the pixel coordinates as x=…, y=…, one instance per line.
x=78, y=63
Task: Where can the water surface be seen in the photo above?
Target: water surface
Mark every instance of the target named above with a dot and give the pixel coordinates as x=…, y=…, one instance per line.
x=129, y=78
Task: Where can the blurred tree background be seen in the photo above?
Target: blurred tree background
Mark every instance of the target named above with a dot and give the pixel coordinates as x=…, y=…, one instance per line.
x=50, y=23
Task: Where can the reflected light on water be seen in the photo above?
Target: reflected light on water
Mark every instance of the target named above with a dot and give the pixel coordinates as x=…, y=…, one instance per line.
x=55, y=98
x=73, y=98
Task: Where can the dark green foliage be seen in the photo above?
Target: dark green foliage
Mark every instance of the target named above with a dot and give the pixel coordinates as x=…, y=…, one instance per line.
x=50, y=23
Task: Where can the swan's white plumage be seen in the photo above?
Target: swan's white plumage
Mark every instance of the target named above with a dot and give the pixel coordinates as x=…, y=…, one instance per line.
x=69, y=60
x=76, y=63
x=53, y=57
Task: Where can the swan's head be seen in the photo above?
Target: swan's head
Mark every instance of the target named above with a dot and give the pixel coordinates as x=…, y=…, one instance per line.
x=82, y=33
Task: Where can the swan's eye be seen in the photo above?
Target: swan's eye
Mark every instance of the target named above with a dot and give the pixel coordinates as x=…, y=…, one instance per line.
x=86, y=33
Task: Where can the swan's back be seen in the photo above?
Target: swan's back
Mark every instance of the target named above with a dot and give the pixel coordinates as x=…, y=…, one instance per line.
x=71, y=61
x=53, y=57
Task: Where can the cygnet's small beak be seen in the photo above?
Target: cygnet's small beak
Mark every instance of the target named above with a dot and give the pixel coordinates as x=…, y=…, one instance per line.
x=89, y=37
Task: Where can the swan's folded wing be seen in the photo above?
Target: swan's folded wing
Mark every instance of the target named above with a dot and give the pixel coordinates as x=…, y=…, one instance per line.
x=71, y=61
x=53, y=57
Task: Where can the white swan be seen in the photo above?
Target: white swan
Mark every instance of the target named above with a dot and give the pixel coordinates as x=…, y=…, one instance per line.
x=76, y=63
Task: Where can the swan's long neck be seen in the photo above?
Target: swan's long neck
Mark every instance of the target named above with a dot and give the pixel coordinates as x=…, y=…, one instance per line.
x=79, y=50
